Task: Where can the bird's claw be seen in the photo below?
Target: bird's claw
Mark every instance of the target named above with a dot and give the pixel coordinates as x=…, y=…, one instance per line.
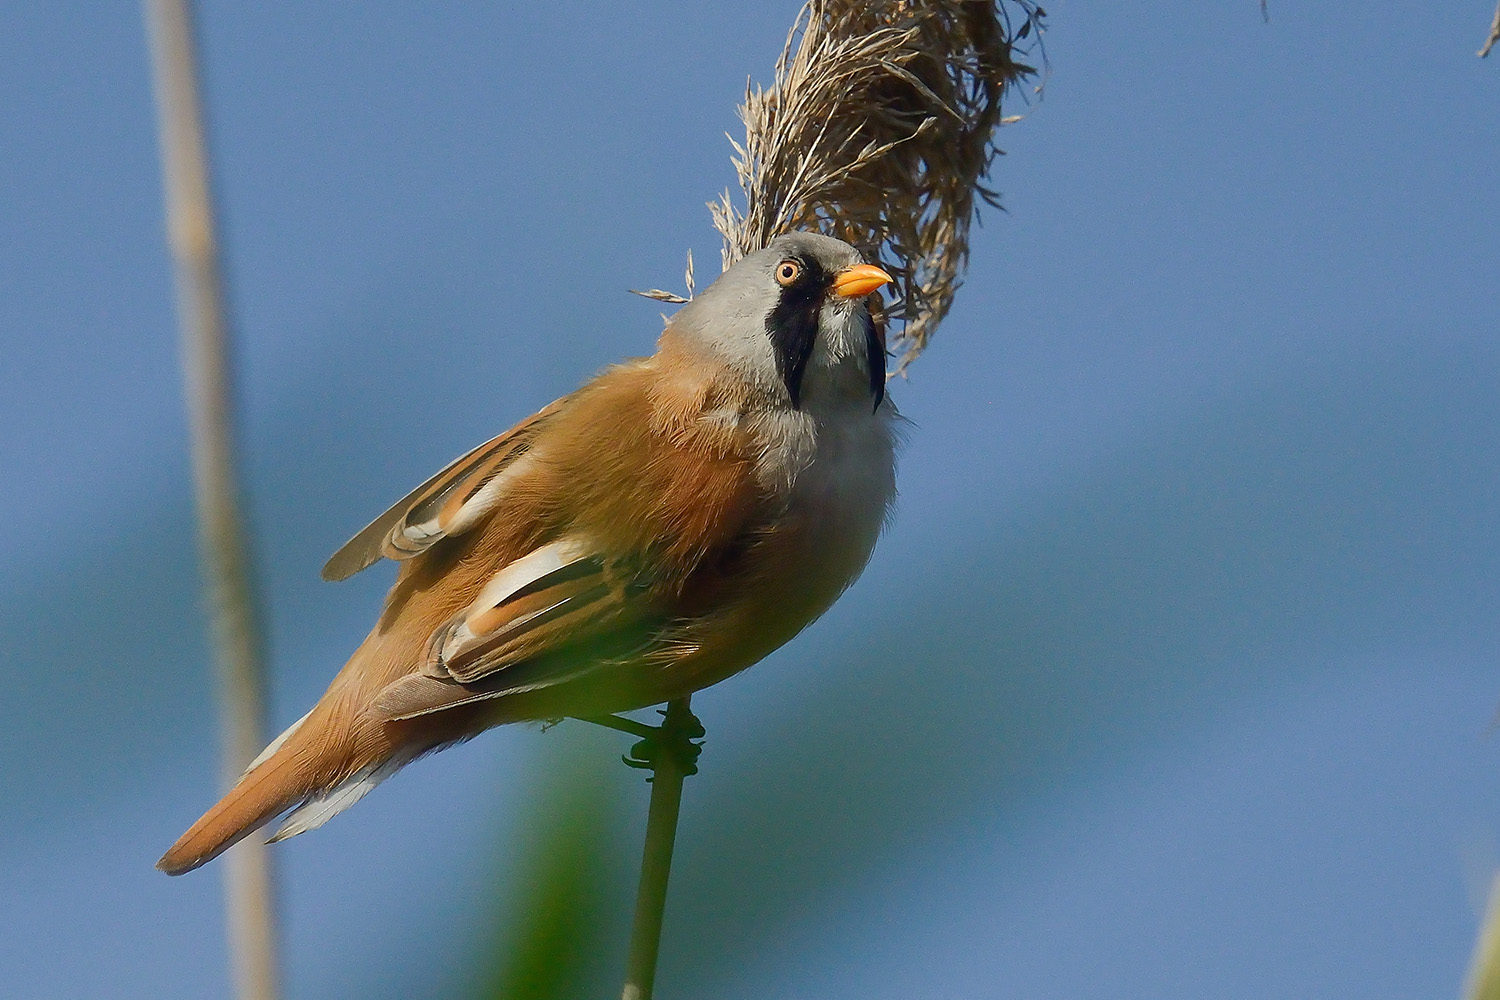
x=674, y=737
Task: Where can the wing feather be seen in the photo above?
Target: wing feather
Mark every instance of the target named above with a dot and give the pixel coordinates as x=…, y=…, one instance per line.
x=548, y=617
x=450, y=502
x=643, y=505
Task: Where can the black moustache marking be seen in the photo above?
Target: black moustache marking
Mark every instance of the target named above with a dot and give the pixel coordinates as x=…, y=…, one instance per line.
x=793, y=325
x=875, y=357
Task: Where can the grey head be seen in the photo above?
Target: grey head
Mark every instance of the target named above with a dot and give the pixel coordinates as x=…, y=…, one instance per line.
x=792, y=319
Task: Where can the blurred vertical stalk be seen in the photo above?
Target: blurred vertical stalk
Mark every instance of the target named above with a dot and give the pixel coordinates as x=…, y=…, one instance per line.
x=1483, y=982
x=1494, y=35
x=656, y=859
x=204, y=323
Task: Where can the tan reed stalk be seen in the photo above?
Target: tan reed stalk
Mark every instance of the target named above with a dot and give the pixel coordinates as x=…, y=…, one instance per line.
x=1494, y=36
x=224, y=551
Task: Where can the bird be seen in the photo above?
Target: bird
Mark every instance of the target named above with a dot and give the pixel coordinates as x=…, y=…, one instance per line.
x=669, y=523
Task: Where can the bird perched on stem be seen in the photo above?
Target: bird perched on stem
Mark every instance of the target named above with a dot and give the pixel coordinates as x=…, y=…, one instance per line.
x=665, y=526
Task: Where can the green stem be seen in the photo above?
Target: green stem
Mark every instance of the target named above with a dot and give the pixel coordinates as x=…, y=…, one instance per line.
x=656, y=861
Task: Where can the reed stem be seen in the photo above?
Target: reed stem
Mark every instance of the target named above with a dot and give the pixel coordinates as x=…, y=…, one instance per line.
x=224, y=550
x=672, y=764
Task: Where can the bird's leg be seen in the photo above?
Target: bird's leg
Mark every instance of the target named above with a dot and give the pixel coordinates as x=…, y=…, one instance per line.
x=673, y=739
x=619, y=724
x=675, y=736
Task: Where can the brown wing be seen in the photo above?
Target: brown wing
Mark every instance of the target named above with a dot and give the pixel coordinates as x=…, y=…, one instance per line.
x=445, y=505
x=638, y=494
x=551, y=616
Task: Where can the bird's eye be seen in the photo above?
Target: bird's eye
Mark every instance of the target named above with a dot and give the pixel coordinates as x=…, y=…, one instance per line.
x=787, y=272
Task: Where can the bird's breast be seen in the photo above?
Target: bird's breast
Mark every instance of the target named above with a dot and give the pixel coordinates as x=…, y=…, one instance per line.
x=835, y=482
x=840, y=498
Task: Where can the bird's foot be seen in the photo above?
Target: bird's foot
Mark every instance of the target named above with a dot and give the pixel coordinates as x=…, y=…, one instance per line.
x=678, y=738
x=673, y=740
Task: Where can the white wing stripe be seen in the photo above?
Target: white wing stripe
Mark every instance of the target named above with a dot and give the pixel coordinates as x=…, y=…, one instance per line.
x=527, y=570
x=487, y=497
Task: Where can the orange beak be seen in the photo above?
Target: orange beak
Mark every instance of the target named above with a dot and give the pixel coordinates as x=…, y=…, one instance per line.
x=860, y=280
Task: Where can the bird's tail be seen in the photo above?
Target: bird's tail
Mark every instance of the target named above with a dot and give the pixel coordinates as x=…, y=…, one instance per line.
x=301, y=768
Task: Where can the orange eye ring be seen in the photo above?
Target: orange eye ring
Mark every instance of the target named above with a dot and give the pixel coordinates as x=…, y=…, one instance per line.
x=787, y=272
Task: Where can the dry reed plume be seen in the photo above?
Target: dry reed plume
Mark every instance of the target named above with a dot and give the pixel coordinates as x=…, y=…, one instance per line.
x=879, y=129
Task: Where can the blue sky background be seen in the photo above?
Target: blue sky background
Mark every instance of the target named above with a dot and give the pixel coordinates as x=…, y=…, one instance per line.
x=1173, y=677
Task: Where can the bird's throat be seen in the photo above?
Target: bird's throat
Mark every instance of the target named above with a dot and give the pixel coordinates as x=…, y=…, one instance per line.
x=793, y=329
x=875, y=357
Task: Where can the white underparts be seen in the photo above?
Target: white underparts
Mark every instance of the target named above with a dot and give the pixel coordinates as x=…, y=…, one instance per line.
x=323, y=807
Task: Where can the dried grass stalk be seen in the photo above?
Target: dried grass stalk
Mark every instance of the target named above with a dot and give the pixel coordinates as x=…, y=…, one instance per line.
x=879, y=129
x=1483, y=980
x=238, y=639
x=1494, y=35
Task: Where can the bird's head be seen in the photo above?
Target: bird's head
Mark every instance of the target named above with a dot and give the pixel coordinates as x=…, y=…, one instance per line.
x=792, y=318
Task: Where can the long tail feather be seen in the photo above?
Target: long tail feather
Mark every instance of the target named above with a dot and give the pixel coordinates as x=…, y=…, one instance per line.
x=275, y=785
x=325, y=761
x=322, y=807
